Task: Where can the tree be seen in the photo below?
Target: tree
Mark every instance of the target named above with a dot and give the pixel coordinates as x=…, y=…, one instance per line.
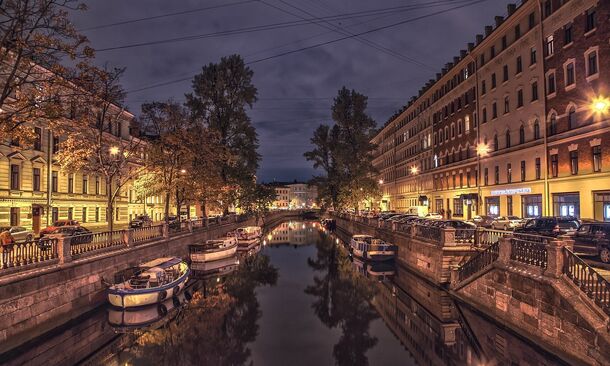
x=99, y=143
x=345, y=154
x=256, y=199
x=35, y=36
x=221, y=94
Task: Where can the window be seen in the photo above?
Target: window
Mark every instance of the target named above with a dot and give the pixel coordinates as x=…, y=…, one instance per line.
x=566, y=204
x=570, y=74
x=532, y=20
x=494, y=110
x=486, y=177
x=548, y=8
x=117, y=214
x=553, y=124
x=14, y=216
x=533, y=56
x=468, y=178
x=534, y=91
x=55, y=214
x=458, y=207
x=549, y=45
x=536, y=130
x=496, y=143
x=597, y=158
x=55, y=144
x=509, y=173
x=484, y=112
x=523, y=170
x=483, y=88
x=70, y=213
x=85, y=184
x=84, y=218
x=531, y=205
x=567, y=34
x=521, y=135
x=97, y=185
x=554, y=165
x=506, y=105
x=71, y=183
x=571, y=118
x=505, y=73
x=509, y=205
x=592, y=63
x=504, y=43
x=482, y=59
x=15, y=176
x=574, y=162
x=493, y=206
x=517, y=31
x=36, y=179
x=507, y=139
x=519, y=98
x=496, y=175
x=519, y=65
x=590, y=23
x=467, y=123
x=493, y=80
x=97, y=214
x=538, y=171
x=38, y=138
x=492, y=51
x=550, y=83
x=54, y=181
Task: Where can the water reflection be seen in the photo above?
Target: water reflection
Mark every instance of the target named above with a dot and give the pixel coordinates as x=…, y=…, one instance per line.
x=293, y=233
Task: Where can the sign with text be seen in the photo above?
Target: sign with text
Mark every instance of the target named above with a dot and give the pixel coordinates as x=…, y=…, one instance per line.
x=508, y=192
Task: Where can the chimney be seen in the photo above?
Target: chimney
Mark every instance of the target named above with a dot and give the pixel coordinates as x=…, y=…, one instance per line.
x=443, y=71
x=456, y=60
x=463, y=53
x=488, y=30
x=511, y=9
x=470, y=46
x=479, y=38
x=438, y=76
x=499, y=19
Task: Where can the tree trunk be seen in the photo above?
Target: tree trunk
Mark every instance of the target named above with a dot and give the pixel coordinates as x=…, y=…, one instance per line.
x=167, y=196
x=109, y=205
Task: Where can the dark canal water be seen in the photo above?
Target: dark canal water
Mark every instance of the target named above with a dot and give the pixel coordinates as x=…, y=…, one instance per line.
x=297, y=300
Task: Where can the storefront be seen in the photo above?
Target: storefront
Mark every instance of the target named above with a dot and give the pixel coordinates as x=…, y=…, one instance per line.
x=492, y=206
x=601, y=206
x=566, y=204
x=531, y=205
x=438, y=207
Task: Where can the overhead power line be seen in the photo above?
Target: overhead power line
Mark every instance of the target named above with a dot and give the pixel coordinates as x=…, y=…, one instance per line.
x=321, y=44
x=288, y=24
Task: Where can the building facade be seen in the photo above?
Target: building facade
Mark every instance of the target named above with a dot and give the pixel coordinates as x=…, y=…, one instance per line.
x=294, y=195
x=519, y=121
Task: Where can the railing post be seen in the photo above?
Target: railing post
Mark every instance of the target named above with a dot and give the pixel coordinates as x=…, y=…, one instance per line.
x=454, y=276
x=128, y=237
x=64, y=251
x=394, y=225
x=478, y=234
x=504, y=249
x=189, y=224
x=413, y=230
x=166, y=230
x=448, y=237
x=554, y=266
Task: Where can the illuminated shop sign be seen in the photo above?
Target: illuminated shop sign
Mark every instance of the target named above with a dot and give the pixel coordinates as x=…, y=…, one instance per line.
x=508, y=192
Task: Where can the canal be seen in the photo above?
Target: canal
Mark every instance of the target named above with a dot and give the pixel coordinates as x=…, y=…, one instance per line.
x=299, y=299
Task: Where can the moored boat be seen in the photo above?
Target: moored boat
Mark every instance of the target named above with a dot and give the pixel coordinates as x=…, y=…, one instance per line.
x=217, y=268
x=248, y=232
x=149, y=283
x=247, y=244
x=213, y=250
x=370, y=248
x=128, y=320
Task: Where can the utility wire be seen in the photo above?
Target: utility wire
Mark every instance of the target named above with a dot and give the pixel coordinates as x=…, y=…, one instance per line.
x=167, y=15
x=281, y=25
x=321, y=44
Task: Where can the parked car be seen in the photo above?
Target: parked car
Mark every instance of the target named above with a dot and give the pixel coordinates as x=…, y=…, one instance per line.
x=57, y=224
x=387, y=216
x=140, y=221
x=506, y=222
x=593, y=239
x=79, y=234
x=173, y=222
x=434, y=216
x=550, y=226
x=457, y=224
x=19, y=233
x=483, y=221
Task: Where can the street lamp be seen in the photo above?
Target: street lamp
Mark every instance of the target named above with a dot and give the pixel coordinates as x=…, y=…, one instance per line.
x=113, y=150
x=414, y=170
x=482, y=149
x=600, y=105
x=380, y=181
x=183, y=171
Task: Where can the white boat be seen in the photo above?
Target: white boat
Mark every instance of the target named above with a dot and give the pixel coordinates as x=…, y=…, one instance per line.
x=150, y=283
x=370, y=248
x=217, y=268
x=248, y=232
x=126, y=320
x=247, y=244
x=213, y=250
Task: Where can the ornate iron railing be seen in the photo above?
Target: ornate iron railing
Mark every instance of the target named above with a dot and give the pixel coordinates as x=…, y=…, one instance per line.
x=21, y=254
x=465, y=236
x=432, y=233
x=84, y=243
x=141, y=234
x=488, y=237
x=479, y=262
x=529, y=252
x=587, y=279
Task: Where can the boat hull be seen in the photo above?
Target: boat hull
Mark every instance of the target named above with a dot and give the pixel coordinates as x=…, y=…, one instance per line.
x=214, y=255
x=149, y=296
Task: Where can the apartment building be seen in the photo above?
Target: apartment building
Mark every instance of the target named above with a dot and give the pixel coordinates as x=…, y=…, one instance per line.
x=294, y=195
x=514, y=130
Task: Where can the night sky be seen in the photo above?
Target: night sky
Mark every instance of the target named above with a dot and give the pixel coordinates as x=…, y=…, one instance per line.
x=295, y=90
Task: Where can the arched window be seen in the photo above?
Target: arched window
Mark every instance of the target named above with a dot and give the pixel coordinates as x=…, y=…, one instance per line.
x=495, y=142
x=571, y=118
x=553, y=124
x=521, y=135
x=507, y=139
x=536, y=130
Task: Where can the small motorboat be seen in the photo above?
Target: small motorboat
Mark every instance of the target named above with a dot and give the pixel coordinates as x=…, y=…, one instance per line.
x=245, y=245
x=213, y=250
x=369, y=248
x=248, y=232
x=145, y=317
x=217, y=268
x=149, y=283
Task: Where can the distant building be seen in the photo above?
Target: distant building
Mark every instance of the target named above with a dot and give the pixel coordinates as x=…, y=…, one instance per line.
x=294, y=195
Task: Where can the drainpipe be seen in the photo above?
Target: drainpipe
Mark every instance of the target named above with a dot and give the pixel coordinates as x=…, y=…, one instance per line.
x=49, y=168
x=547, y=207
x=478, y=177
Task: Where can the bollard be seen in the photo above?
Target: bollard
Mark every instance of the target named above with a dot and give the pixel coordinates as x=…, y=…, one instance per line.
x=554, y=264
x=189, y=225
x=64, y=251
x=127, y=237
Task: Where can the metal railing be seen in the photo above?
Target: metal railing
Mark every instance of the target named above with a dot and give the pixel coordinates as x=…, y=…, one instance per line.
x=84, y=243
x=21, y=254
x=533, y=253
x=465, y=236
x=479, y=262
x=141, y=234
x=432, y=233
x=488, y=237
x=587, y=279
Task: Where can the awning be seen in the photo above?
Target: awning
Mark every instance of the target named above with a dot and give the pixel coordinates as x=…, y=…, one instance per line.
x=469, y=196
x=423, y=198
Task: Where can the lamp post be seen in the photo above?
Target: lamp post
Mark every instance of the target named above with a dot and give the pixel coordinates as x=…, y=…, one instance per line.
x=415, y=171
x=482, y=151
